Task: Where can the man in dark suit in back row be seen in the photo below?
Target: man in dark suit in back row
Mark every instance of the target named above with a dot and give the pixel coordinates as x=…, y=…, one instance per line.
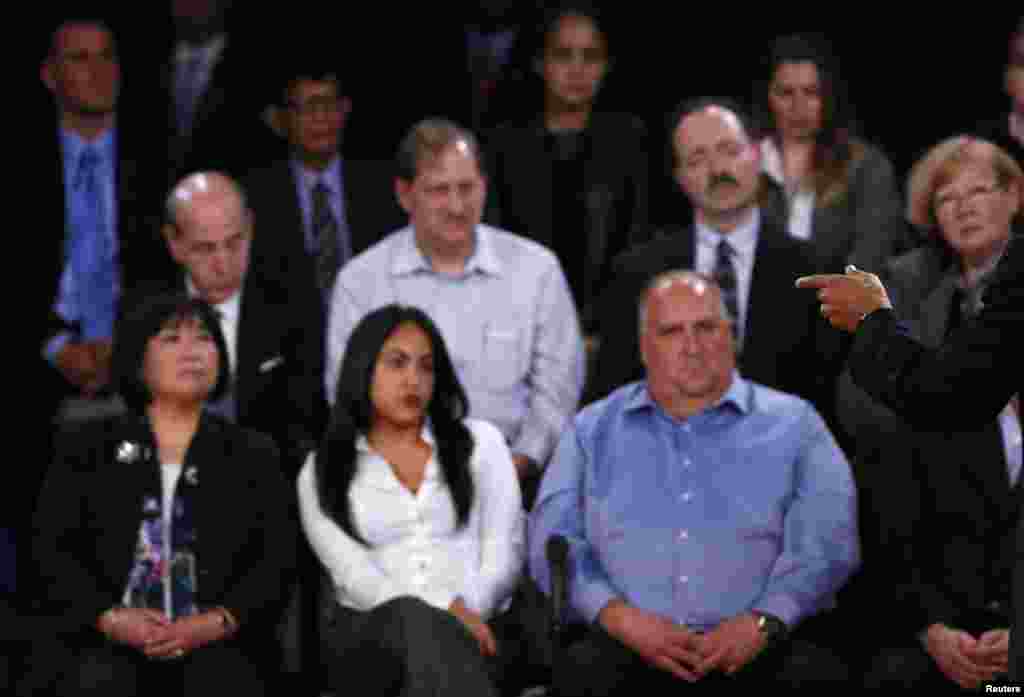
x=717, y=165
x=316, y=208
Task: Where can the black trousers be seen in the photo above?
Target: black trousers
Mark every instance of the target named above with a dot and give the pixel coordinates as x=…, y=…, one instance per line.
x=407, y=647
x=114, y=670
x=599, y=665
x=910, y=667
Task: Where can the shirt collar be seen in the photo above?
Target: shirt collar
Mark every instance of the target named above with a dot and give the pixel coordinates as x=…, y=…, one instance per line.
x=740, y=395
x=426, y=433
x=978, y=275
x=210, y=49
x=771, y=161
x=74, y=145
x=743, y=239
x=230, y=308
x=409, y=258
x=331, y=176
x=1016, y=127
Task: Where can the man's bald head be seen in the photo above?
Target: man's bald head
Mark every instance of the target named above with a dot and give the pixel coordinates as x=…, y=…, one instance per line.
x=686, y=342
x=203, y=187
x=208, y=231
x=694, y=282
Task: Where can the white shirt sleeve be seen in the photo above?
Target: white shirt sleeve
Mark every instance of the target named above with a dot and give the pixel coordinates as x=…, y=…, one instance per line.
x=500, y=523
x=342, y=318
x=347, y=561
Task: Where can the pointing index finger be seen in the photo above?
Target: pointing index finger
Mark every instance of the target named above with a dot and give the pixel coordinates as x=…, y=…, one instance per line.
x=821, y=280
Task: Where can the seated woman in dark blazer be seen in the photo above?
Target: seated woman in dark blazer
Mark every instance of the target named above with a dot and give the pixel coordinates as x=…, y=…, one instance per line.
x=163, y=541
x=572, y=177
x=834, y=189
x=415, y=513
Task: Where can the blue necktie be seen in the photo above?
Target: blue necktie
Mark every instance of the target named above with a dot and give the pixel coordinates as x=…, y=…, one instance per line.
x=92, y=252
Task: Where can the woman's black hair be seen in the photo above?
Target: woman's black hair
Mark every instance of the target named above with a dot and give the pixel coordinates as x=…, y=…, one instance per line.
x=335, y=464
x=141, y=322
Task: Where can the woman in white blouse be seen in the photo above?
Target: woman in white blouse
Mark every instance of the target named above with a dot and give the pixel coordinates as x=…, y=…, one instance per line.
x=415, y=513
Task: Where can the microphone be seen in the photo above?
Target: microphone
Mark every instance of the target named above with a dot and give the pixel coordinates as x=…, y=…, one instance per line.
x=557, y=551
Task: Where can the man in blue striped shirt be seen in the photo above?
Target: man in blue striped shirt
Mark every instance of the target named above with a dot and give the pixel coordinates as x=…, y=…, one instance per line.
x=707, y=516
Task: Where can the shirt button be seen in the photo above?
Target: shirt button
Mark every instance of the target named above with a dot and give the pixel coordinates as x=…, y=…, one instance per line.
x=686, y=496
x=683, y=536
x=684, y=579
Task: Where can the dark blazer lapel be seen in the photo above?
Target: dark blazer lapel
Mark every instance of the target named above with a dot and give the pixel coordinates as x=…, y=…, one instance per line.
x=771, y=272
x=247, y=347
x=679, y=249
x=287, y=190
x=597, y=202
x=131, y=476
x=537, y=170
x=363, y=231
x=257, y=341
x=935, y=309
x=207, y=463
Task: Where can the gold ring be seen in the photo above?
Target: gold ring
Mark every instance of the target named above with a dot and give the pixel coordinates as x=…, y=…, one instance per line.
x=179, y=653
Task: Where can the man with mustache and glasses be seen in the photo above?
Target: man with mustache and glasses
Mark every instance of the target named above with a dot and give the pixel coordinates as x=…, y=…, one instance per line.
x=501, y=301
x=716, y=164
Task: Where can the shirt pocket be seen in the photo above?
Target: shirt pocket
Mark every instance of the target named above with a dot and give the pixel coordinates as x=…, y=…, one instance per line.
x=501, y=356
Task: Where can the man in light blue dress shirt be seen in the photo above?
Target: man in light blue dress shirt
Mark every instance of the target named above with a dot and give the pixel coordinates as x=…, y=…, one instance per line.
x=707, y=516
x=501, y=301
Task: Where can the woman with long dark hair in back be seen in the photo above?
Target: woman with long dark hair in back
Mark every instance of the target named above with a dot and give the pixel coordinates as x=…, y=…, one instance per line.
x=835, y=189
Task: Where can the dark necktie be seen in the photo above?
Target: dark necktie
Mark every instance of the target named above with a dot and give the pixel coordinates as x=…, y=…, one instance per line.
x=325, y=238
x=225, y=407
x=725, y=276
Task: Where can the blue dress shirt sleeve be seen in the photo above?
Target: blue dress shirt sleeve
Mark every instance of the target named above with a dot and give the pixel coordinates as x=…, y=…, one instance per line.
x=559, y=511
x=820, y=541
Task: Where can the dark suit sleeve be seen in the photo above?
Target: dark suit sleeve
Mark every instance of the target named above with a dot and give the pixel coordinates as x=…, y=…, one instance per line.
x=256, y=596
x=965, y=382
x=70, y=589
x=307, y=401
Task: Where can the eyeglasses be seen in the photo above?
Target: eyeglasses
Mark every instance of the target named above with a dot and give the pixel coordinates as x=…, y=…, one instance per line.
x=326, y=106
x=950, y=201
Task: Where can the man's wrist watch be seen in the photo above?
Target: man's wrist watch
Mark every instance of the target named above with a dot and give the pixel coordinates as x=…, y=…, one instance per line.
x=770, y=627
